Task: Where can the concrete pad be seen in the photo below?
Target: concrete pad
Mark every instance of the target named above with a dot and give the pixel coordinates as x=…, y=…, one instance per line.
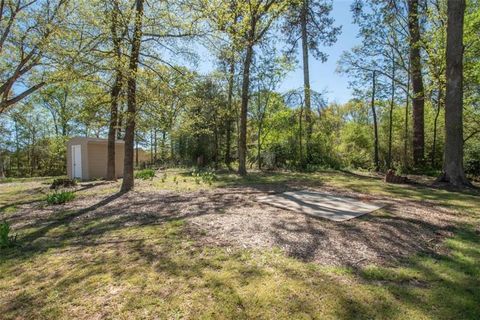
x=319, y=204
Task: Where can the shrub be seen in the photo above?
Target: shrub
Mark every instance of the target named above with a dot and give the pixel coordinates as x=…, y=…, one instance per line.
x=60, y=197
x=6, y=241
x=63, y=183
x=145, y=174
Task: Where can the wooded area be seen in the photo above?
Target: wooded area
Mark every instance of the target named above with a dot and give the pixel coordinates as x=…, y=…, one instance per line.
x=131, y=73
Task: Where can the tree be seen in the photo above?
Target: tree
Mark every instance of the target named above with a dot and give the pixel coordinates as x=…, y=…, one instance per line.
x=257, y=18
x=453, y=172
x=117, y=39
x=310, y=22
x=128, y=177
x=382, y=28
x=418, y=101
x=26, y=32
x=269, y=71
x=375, y=124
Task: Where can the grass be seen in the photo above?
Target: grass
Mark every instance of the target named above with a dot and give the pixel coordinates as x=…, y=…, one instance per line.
x=145, y=174
x=103, y=269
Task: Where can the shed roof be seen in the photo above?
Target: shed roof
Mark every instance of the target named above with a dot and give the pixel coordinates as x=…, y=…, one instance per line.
x=94, y=140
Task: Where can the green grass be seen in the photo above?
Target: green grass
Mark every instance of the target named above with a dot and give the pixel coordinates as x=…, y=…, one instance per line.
x=145, y=174
x=102, y=268
x=156, y=271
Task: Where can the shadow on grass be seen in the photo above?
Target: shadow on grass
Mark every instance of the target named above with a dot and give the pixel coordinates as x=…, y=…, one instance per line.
x=117, y=241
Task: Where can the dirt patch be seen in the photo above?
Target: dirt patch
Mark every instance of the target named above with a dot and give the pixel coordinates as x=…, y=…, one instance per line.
x=233, y=217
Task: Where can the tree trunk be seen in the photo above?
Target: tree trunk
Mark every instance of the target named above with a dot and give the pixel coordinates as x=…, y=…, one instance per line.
x=128, y=178
x=155, y=143
x=418, y=100
x=228, y=146
x=163, y=153
x=63, y=110
x=136, y=150
x=259, y=147
x=114, y=96
x=453, y=158
x=242, y=145
x=435, y=125
x=151, y=148
x=390, y=120
x=2, y=169
x=120, y=122
x=405, y=142
x=300, y=140
x=17, y=146
x=306, y=80
x=375, y=126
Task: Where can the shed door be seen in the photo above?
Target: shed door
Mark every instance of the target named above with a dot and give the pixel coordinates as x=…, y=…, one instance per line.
x=77, y=161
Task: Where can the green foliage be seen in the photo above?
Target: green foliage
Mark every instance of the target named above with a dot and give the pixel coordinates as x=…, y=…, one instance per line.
x=145, y=174
x=6, y=240
x=356, y=145
x=472, y=159
x=60, y=197
x=205, y=176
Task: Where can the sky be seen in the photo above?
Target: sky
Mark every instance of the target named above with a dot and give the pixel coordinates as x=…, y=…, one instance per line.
x=322, y=75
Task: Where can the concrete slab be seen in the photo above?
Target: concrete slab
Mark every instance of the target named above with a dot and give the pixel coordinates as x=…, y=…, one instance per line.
x=319, y=204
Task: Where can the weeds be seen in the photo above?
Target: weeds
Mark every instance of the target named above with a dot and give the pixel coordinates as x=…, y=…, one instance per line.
x=60, y=197
x=6, y=241
x=205, y=176
x=145, y=174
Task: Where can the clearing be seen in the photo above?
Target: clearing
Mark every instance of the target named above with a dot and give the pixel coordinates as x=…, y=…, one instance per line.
x=179, y=248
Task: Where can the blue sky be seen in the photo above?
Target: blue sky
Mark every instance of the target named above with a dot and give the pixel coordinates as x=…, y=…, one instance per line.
x=323, y=75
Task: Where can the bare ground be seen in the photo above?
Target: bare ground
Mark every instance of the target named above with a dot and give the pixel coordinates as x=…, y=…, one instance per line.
x=232, y=217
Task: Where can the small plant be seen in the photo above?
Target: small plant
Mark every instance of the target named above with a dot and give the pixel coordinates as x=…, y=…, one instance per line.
x=204, y=176
x=6, y=241
x=145, y=174
x=60, y=197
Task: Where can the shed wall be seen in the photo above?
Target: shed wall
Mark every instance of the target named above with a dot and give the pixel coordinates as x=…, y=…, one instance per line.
x=94, y=157
x=97, y=160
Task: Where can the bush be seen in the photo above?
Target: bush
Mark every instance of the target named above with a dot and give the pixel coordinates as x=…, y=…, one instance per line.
x=6, y=241
x=63, y=183
x=145, y=174
x=60, y=197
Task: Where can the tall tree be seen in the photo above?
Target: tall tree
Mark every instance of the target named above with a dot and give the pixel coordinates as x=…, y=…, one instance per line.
x=258, y=17
x=128, y=177
x=453, y=172
x=116, y=38
x=375, y=125
x=390, y=115
x=310, y=22
x=229, y=129
x=418, y=101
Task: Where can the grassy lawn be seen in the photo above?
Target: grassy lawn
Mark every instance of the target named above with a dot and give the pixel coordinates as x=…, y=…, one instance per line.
x=65, y=267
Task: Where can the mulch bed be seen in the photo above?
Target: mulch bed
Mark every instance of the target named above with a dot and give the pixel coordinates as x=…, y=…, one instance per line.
x=232, y=217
